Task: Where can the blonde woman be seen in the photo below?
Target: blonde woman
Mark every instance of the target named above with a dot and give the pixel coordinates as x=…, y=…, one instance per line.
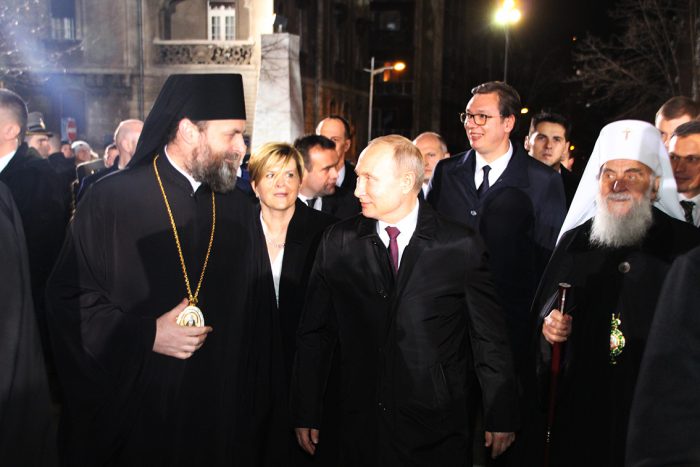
x=291, y=231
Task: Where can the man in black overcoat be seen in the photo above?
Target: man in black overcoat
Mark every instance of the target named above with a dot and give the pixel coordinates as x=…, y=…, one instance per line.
x=665, y=415
x=41, y=200
x=418, y=323
x=27, y=422
x=517, y=208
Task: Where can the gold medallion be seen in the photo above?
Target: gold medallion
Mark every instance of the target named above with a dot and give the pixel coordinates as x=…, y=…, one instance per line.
x=191, y=316
x=617, y=339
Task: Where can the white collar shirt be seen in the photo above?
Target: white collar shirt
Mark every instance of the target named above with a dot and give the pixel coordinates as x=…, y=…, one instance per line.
x=696, y=208
x=406, y=227
x=498, y=166
x=341, y=176
x=317, y=204
x=4, y=160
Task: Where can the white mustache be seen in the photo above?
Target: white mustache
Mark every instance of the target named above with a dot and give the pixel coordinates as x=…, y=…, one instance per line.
x=619, y=197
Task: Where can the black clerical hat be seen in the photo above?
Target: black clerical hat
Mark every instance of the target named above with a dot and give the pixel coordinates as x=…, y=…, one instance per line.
x=197, y=97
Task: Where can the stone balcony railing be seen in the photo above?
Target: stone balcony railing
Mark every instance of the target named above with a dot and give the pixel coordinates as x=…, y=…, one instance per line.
x=199, y=52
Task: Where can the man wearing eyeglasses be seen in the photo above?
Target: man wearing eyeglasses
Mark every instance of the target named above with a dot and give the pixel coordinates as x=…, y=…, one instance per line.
x=684, y=151
x=515, y=202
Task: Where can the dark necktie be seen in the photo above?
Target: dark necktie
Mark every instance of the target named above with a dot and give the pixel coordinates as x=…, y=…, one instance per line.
x=485, y=184
x=688, y=210
x=311, y=202
x=393, y=247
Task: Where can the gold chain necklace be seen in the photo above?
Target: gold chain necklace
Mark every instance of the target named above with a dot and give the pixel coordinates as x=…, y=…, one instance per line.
x=191, y=315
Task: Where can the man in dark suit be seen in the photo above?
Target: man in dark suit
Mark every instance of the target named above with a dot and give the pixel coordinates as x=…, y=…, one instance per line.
x=547, y=142
x=684, y=152
x=319, y=189
x=417, y=320
x=337, y=129
x=41, y=201
x=515, y=202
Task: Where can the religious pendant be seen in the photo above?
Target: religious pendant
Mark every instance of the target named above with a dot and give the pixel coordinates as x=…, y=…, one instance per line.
x=191, y=316
x=617, y=339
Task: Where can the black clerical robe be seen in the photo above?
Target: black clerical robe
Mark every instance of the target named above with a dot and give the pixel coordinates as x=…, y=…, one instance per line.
x=665, y=418
x=27, y=428
x=119, y=270
x=594, y=396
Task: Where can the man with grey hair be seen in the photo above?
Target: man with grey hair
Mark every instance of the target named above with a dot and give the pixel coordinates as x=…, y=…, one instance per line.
x=414, y=299
x=433, y=148
x=618, y=241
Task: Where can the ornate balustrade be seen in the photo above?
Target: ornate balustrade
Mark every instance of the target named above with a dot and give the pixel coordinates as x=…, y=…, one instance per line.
x=198, y=52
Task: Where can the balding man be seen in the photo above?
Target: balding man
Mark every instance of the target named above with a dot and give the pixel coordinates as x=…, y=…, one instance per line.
x=126, y=137
x=433, y=148
x=337, y=129
x=417, y=323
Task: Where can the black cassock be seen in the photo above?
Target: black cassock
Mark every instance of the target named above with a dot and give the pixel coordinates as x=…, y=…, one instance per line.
x=27, y=430
x=594, y=396
x=665, y=419
x=119, y=270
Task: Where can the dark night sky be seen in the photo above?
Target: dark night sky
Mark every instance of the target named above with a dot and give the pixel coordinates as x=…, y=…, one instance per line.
x=542, y=44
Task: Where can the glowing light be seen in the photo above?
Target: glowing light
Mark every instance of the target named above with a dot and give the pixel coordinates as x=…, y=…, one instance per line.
x=524, y=110
x=572, y=147
x=508, y=13
x=399, y=66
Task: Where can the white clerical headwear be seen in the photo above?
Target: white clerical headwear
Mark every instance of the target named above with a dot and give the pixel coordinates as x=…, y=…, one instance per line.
x=627, y=139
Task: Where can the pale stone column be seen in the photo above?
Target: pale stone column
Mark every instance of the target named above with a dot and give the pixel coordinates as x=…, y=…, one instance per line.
x=279, y=114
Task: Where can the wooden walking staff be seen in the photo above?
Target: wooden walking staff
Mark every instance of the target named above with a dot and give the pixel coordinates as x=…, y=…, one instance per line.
x=554, y=374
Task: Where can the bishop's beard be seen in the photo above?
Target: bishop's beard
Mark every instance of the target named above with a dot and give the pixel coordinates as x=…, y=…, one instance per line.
x=218, y=170
x=615, y=231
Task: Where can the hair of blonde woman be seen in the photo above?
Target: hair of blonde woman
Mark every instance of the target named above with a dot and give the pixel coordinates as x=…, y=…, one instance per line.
x=272, y=155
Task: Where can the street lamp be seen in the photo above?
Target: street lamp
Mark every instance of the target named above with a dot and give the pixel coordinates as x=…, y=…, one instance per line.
x=398, y=66
x=505, y=16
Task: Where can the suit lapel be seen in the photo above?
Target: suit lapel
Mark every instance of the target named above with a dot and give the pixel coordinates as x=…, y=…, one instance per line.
x=293, y=246
x=515, y=173
x=379, y=264
x=422, y=236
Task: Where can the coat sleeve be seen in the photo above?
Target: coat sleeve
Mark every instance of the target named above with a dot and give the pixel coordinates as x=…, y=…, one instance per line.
x=665, y=416
x=316, y=339
x=493, y=360
x=92, y=337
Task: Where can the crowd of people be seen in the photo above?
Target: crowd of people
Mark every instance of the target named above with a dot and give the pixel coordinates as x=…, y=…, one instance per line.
x=177, y=302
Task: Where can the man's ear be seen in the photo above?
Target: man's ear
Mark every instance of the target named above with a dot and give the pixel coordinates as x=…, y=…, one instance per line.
x=526, y=143
x=510, y=123
x=188, y=131
x=9, y=131
x=655, y=188
x=408, y=181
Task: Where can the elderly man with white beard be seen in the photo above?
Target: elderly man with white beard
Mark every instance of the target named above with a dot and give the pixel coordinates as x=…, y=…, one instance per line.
x=617, y=243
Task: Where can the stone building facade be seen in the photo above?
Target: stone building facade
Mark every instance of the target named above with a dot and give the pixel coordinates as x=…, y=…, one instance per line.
x=102, y=61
